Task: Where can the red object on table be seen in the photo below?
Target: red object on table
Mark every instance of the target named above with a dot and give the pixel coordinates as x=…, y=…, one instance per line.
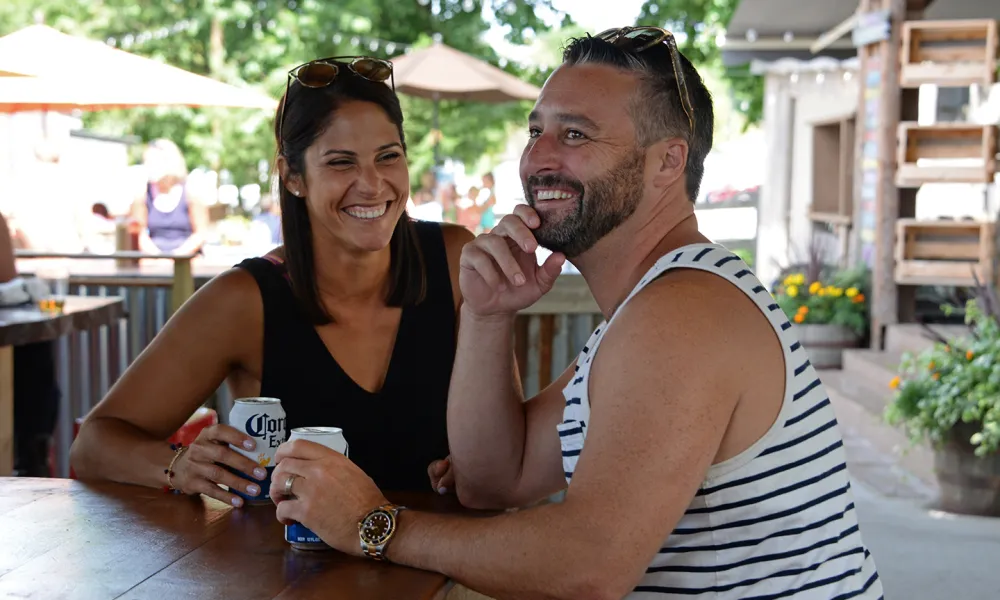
x=202, y=418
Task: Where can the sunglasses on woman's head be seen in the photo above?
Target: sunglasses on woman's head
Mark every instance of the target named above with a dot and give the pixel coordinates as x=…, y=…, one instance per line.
x=637, y=39
x=322, y=72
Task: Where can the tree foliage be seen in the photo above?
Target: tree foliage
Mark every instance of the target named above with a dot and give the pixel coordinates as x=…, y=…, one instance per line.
x=255, y=42
x=701, y=22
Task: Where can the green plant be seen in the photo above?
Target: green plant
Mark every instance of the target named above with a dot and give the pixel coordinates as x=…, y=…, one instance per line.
x=839, y=300
x=955, y=381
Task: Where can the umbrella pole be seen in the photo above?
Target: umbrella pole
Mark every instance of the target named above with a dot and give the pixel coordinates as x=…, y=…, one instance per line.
x=435, y=128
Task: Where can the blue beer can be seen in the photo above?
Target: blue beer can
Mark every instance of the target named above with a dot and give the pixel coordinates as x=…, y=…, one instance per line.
x=298, y=535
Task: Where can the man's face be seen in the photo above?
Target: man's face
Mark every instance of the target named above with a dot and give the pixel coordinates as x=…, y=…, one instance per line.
x=582, y=170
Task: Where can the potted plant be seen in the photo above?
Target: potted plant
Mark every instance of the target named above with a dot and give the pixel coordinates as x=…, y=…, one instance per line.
x=830, y=311
x=949, y=395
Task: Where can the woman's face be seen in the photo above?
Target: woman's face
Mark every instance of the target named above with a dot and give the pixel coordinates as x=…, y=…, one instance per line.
x=356, y=179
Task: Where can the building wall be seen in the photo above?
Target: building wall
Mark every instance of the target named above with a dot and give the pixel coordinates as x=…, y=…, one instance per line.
x=793, y=103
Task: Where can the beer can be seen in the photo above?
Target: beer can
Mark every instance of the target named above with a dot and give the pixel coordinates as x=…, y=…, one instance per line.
x=297, y=534
x=263, y=419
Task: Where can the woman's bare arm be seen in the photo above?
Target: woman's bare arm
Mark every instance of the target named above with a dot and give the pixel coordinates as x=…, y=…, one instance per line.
x=219, y=330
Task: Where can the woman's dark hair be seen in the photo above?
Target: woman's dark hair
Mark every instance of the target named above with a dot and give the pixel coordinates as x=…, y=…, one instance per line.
x=310, y=111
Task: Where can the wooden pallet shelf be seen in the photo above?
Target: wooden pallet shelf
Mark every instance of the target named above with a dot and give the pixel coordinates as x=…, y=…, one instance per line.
x=953, y=53
x=919, y=145
x=944, y=252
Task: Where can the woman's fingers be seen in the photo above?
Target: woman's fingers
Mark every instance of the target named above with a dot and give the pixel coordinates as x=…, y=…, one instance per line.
x=209, y=452
x=216, y=474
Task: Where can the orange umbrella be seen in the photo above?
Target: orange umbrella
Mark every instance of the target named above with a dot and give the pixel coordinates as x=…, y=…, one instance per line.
x=68, y=72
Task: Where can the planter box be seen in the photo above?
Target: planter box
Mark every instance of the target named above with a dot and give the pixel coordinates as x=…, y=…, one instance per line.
x=969, y=484
x=825, y=343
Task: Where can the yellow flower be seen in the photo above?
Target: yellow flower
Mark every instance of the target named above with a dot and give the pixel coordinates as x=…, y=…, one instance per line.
x=799, y=318
x=821, y=292
x=852, y=292
x=895, y=382
x=792, y=291
x=814, y=287
x=836, y=292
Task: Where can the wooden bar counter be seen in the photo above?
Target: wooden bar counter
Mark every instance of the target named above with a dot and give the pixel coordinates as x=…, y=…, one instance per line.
x=67, y=539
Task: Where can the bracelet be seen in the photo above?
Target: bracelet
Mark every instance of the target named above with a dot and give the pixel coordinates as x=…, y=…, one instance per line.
x=179, y=450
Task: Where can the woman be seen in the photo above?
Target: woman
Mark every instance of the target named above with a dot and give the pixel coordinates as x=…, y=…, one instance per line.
x=170, y=216
x=351, y=324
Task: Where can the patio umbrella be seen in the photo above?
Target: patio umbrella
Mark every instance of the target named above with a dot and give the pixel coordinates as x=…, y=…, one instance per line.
x=67, y=72
x=441, y=72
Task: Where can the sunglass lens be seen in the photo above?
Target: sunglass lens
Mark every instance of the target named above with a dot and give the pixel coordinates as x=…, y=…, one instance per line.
x=609, y=33
x=317, y=74
x=372, y=69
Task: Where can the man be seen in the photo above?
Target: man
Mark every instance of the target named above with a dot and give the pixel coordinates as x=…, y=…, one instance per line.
x=698, y=450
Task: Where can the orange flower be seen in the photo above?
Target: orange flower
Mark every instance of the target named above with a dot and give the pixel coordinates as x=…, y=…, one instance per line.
x=895, y=382
x=947, y=348
x=803, y=310
x=931, y=365
x=859, y=298
x=969, y=354
x=799, y=318
x=936, y=376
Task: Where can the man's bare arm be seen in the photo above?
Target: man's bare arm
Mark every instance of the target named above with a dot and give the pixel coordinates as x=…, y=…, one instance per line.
x=661, y=401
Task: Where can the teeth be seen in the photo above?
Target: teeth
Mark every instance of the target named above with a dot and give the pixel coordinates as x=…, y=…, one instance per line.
x=552, y=195
x=367, y=212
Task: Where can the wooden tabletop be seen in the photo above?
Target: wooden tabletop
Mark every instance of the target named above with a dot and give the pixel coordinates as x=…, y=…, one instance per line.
x=28, y=324
x=70, y=540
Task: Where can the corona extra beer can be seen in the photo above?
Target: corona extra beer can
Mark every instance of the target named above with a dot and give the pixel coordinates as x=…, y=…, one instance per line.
x=263, y=420
x=297, y=534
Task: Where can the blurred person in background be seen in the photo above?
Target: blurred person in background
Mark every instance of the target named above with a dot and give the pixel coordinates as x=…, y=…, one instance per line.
x=46, y=214
x=357, y=310
x=487, y=201
x=170, y=215
x=265, y=229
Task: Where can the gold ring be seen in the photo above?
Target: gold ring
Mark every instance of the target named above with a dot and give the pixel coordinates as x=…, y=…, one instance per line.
x=288, y=485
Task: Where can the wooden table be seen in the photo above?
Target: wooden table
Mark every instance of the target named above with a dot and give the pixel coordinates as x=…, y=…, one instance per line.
x=70, y=540
x=28, y=325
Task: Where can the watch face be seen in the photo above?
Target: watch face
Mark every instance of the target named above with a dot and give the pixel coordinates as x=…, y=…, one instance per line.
x=377, y=528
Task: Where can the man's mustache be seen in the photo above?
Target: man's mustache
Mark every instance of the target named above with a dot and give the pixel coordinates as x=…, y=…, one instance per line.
x=549, y=181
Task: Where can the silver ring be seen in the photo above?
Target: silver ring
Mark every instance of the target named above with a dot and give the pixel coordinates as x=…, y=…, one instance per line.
x=288, y=485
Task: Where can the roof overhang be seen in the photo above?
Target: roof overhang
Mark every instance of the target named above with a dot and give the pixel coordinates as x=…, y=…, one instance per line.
x=767, y=30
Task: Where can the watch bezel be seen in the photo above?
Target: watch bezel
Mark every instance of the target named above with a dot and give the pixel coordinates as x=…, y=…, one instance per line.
x=367, y=519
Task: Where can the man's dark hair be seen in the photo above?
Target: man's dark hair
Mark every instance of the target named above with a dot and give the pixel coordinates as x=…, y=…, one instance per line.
x=656, y=108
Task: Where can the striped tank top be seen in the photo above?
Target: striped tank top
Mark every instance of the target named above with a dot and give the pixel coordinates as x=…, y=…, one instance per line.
x=777, y=520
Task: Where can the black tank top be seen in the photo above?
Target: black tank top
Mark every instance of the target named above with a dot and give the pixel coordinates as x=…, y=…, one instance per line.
x=393, y=434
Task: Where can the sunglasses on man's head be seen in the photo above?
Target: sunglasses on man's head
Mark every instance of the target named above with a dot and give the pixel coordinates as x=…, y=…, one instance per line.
x=322, y=72
x=637, y=39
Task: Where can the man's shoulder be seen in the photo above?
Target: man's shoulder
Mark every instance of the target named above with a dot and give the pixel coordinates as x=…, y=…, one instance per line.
x=694, y=309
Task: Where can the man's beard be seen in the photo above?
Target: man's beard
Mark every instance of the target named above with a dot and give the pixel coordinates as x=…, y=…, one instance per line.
x=604, y=204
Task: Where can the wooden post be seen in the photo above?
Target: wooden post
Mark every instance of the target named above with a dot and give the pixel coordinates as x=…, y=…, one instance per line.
x=883, y=103
x=183, y=284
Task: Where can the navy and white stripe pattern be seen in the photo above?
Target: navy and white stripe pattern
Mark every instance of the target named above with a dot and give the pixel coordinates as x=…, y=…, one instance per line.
x=778, y=520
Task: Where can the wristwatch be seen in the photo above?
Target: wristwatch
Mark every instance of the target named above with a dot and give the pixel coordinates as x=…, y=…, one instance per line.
x=377, y=528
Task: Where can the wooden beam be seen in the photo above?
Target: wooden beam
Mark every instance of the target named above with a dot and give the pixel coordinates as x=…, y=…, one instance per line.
x=828, y=38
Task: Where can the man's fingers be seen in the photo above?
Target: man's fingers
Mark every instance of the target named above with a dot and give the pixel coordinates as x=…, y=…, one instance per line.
x=528, y=215
x=547, y=273
x=477, y=259
x=499, y=250
x=516, y=229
